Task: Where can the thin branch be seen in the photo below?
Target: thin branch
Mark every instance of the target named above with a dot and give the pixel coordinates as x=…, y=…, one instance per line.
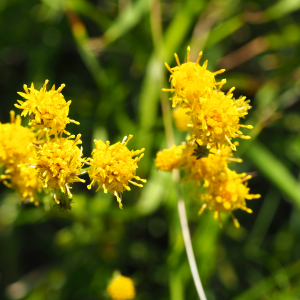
x=189, y=249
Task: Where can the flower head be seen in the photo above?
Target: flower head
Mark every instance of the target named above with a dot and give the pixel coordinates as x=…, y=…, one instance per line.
x=121, y=288
x=189, y=80
x=25, y=181
x=58, y=163
x=47, y=109
x=215, y=119
x=113, y=167
x=182, y=118
x=169, y=159
x=207, y=168
x=227, y=193
x=14, y=139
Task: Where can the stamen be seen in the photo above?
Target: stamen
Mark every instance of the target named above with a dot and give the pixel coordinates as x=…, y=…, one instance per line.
x=81, y=149
x=235, y=221
x=188, y=54
x=168, y=67
x=199, y=57
x=202, y=209
x=177, y=59
x=68, y=190
x=55, y=197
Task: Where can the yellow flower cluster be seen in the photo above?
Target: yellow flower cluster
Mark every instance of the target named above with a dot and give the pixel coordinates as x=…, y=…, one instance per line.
x=48, y=110
x=42, y=157
x=214, y=115
x=57, y=160
x=14, y=139
x=227, y=193
x=213, y=119
x=58, y=163
x=121, y=288
x=169, y=159
x=113, y=167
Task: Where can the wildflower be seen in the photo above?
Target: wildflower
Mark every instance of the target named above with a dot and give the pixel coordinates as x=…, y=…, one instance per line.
x=58, y=163
x=227, y=194
x=207, y=168
x=47, y=109
x=113, y=167
x=25, y=181
x=215, y=119
x=181, y=118
x=121, y=288
x=14, y=139
x=189, y=81
x=169, y=159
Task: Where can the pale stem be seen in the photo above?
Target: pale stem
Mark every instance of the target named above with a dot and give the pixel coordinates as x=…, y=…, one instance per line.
x=189, y=249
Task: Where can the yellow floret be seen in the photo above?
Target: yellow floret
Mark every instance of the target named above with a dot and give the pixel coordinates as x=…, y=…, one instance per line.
x=228, y=193
x=25, y=181
x=215, y=119
x=182, y=118
x=47, y=109
x=58, y=163
x=14, y=139
x=189, y=81
x=113, y=167
x=206, y=168
x=169, y=159
x=121, y=288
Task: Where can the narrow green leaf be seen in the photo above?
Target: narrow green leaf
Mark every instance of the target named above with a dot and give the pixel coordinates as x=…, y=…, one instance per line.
x=274, y=170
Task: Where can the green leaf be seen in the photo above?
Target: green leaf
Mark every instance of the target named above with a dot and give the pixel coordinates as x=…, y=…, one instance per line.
x=275, y=171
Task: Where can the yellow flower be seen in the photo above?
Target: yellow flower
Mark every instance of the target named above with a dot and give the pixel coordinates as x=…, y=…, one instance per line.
x=227, y=193
x=58, y=163
x=25, y=181
x=215, y=119
x=121, y=288
x=189, y=81
x=47, y=109
x=181, y=118
x=14, y=139
x=207, y=168
x=169, y=159
x=113, y=167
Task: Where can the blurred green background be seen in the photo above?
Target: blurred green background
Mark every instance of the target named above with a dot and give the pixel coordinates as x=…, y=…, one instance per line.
x=111, y=54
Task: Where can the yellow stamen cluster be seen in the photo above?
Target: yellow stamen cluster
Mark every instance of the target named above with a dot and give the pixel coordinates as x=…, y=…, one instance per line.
x=113, y=167
x=48, y=110
x=227, y=193
x=226, y=190
x=189, y=81
x=58, y=163
x=169, y=159
x=214, y=115
x=43, y=157
x=207, y=168
x=121, y=288
x=213, y=120
x=26, y=182
x=14, y=139
x=181, y=118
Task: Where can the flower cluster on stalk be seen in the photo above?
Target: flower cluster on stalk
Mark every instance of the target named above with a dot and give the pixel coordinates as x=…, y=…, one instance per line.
x=213, y=120
x=42, y=157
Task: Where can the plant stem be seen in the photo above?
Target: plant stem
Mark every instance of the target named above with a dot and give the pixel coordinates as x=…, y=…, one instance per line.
x=189, y=249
